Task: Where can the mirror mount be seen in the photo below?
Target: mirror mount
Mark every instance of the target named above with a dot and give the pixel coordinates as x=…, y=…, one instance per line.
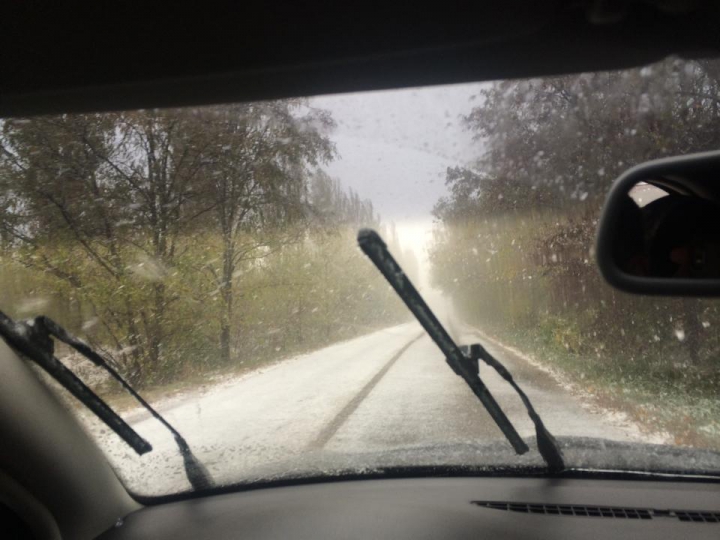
x=669, y=243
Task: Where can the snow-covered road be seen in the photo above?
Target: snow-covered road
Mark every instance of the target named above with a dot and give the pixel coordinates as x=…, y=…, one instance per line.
x=387, y=390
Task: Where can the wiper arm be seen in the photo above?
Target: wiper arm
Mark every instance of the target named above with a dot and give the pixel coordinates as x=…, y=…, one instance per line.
x=463, y=365
x=547, y=445
x=374, y=247
x=33, y=340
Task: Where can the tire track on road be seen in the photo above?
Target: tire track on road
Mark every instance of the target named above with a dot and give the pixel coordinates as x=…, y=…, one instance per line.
x=332, y=428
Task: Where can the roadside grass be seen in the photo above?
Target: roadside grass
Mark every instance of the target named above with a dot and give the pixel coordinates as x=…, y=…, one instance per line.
x=195, y=381
x=659, y=393
x=122, y=402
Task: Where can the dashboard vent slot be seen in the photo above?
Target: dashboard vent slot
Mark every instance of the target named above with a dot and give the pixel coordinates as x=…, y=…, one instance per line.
x=700, y=517
x=616, y=512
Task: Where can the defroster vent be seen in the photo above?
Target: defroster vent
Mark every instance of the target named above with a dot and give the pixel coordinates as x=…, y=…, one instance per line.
x=615, y=512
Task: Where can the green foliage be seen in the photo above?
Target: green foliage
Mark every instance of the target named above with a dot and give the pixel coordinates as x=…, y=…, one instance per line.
x=514, y=245
x=185, y=241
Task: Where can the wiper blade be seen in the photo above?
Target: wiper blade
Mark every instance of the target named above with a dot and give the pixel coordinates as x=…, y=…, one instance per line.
x=21, y=337
x=463, y=365
x=33, y=340
x=374, y=247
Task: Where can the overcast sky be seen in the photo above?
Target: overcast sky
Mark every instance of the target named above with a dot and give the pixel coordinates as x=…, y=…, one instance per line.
x=394, y=147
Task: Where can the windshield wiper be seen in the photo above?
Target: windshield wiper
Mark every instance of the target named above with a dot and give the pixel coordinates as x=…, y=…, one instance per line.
x=464, y=365
x=33, y=339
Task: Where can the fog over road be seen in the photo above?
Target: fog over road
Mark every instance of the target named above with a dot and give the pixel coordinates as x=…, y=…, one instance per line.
x=387, y=390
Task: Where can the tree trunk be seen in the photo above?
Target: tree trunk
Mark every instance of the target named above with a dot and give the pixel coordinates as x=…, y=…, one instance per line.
x=692, y=329
x=133, y=359
x=226, y=294
x=155, y=326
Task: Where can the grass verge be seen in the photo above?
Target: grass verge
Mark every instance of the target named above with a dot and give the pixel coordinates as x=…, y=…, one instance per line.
x=680, y=405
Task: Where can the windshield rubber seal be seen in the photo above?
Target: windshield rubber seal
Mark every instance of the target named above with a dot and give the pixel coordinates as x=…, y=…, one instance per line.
x=423, y=472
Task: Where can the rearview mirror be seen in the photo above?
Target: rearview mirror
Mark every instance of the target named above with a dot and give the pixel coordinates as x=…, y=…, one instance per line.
x=659, y=232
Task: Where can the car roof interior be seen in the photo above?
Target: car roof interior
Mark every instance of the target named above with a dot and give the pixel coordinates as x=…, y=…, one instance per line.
x=88, y=56
x=63, y=57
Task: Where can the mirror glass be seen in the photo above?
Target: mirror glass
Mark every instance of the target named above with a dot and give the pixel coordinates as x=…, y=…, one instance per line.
x=664, y=232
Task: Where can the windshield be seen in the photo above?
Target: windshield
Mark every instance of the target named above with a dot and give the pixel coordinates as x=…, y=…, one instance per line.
x=210, y=255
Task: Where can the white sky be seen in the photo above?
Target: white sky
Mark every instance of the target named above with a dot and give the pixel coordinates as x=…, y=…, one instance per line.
x=394, y=148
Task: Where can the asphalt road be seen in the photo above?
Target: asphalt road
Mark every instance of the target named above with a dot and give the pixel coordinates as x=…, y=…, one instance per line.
x=387, y=390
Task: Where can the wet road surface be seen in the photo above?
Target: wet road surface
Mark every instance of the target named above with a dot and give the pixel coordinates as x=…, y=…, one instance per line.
x=387, y=390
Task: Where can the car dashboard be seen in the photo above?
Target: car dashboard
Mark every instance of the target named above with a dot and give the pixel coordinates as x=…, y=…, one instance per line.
x=453, y=508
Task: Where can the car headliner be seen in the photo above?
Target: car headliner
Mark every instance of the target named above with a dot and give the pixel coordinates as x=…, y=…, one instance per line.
x=91, y=56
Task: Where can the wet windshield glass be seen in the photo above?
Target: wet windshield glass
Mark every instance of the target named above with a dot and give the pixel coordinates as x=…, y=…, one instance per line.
x=210, y=255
